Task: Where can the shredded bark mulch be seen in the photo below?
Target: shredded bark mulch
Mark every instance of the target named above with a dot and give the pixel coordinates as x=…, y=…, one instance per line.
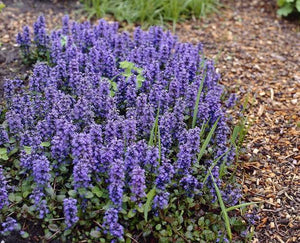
x=258, y=57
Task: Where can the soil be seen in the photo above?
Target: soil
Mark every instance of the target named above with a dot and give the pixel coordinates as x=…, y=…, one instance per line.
x=13, y=17
x=258, y=56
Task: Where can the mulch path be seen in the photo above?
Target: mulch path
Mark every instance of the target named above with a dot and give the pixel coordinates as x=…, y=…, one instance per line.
x=259, y=58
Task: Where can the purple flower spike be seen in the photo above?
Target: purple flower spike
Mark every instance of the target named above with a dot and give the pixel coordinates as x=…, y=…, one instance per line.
x=70, y=211
x=137, y=183
x=41, y=169
x=3, y=190
x=111, y=223
x=116, y=179
x=9, y=225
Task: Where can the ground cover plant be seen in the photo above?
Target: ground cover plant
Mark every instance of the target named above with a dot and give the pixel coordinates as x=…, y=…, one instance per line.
x=150, y=12
x=118, y=138
x=288, y=7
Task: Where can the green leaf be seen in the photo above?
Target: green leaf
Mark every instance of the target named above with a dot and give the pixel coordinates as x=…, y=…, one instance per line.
x=280, y=3
x=114, y=86
x=50, y=192
x=139, y=81
x=63, y=168
x=89, y=195
x=63, y=40
x=18, y=199
x=3, y=151
x=158, y=227
x=131, y=213
x=60, y=198
x=11, y=197
x=24, y=235
x=207, y=140
x=126, y=65
x=148, y=203
x=223, y=208
x=15, y=150
x=27, y=149
x=125, y=198
x=111, y=93
x=190, y=228
x=3, y=156
x=53, y=227
x=96, y=190
x=298, y=5
x=25, y=194
x=67, y=232
x=45, y=144
x=285, y=10
x=196, y=108
x=81, y=191
x=95, y=233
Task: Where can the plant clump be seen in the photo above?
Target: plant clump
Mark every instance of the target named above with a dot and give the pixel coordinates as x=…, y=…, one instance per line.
x=150, y=12
x=117, y=138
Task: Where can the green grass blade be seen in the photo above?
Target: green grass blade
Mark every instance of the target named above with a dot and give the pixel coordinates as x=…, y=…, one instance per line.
x=203, y=127
x=154, y=128
x=235, y=133
x=245, y=104
x=213, y=165
x=223, y=208
x=197, y=101
x=207, y=140
x=148, y=203
x=159, y=144
x=240, y=206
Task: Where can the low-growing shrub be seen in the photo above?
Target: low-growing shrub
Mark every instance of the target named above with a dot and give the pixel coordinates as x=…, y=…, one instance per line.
x=150, y=12
x=117, y=138
x=287, y=7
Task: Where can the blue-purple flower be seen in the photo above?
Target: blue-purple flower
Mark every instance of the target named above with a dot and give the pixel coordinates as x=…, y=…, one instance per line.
x=137, y=183
x=111, y=224
x=70, y=211
x=3, y=190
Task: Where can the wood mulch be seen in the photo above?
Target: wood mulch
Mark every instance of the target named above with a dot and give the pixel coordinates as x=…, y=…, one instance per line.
x=259, y=58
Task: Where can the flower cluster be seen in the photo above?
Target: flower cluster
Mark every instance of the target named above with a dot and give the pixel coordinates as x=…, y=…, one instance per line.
x=70, y=211
x=9, y=225
x=117, y=111
x=3, y=190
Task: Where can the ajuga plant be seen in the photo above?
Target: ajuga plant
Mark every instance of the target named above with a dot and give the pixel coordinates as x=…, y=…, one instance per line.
x=117, y=138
